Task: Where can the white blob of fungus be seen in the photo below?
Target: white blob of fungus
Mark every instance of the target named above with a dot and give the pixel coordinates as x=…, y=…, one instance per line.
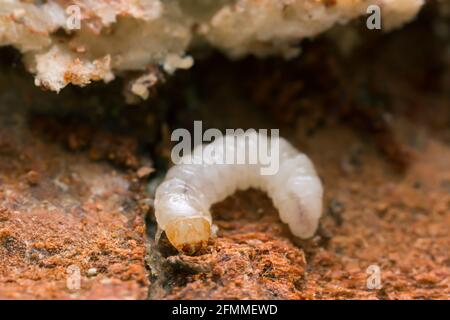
x=174, y=62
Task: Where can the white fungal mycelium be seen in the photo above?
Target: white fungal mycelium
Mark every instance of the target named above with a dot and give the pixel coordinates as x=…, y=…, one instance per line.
x=183, y=200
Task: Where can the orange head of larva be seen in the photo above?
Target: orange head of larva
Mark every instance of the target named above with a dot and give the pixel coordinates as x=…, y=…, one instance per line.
x=188, y=234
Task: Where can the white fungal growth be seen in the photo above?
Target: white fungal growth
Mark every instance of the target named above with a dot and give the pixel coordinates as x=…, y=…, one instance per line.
x=183, y=200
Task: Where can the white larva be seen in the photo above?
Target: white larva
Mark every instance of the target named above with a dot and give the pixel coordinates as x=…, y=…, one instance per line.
x=184, y=198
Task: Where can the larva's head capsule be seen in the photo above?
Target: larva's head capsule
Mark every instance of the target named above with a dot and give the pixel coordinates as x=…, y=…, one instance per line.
x=188, y=234
x=181, y=212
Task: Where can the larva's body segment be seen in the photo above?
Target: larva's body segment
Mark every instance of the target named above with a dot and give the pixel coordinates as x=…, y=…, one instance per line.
x=183, y=200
